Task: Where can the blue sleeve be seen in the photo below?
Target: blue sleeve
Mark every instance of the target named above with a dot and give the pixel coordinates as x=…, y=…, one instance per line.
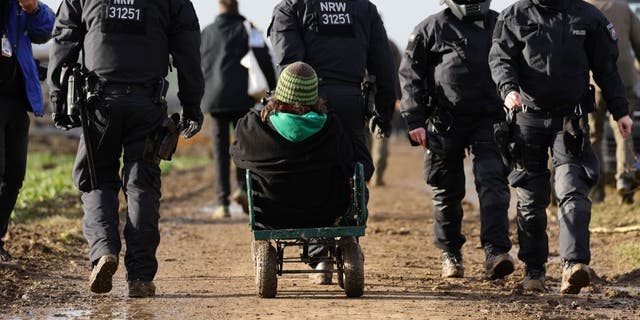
x=40, y=24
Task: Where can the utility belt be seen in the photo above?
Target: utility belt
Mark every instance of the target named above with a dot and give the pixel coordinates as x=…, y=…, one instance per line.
x=338, y=82
x=157, y=91
x=583, y=107
x=128, y=89
x=560, y=112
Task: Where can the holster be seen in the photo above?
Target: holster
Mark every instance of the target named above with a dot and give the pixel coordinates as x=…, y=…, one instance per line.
x=502, y=137
x=436, y=142
x=576, y=130
x=442, y=121
x=510, y=149
x=163, y=144
x=576, y=126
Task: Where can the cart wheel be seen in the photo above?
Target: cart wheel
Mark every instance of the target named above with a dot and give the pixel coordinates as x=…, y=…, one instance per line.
x=266, y=261
x=353, y=262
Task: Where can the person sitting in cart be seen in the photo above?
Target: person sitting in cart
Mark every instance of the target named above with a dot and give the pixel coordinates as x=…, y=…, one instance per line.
x=299, y=156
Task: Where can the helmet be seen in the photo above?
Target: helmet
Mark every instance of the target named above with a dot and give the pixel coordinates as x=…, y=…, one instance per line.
x=468, y=9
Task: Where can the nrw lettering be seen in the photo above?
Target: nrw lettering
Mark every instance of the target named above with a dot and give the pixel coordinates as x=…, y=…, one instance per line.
x=124, y=2
x=329, y=6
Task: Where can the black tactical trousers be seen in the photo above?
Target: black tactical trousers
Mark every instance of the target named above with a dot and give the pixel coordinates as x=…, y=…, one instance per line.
x=14, y=134
x=348, y=104
x=574, y=175
x=444, y=172
x=122, y=123
x=221, y=158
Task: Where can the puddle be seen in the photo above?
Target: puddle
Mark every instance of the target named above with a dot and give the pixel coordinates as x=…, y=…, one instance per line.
x=128, y=311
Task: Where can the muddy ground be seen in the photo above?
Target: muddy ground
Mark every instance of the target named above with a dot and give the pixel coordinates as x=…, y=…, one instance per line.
x=206, y=269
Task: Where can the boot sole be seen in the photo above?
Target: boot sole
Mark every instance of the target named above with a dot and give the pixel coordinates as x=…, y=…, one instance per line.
x=101, y=280
x=501, y=270
x=577, y=281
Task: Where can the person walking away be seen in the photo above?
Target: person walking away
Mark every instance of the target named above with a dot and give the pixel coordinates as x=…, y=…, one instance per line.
x=224, y=43
x=450, y=104
x=628, y=27
x=22, y=22
x=540, y=59
x=126, y=58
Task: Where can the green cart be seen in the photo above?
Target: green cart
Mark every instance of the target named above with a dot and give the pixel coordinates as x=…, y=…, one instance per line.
x=341, y=241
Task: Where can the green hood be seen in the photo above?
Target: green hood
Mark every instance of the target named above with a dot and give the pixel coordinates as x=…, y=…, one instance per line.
x=296, y=128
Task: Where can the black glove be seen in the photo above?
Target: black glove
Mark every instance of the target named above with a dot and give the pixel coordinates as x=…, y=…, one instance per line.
x=191, y=121
x=379, y=128
x=60, y=117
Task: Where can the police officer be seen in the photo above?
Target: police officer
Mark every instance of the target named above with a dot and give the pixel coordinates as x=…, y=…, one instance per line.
x=126, y=45
x=341, y=40
x=540, y=60
x=450, y=104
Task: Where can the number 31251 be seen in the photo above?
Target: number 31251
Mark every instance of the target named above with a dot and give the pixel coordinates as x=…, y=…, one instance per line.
x=124, y=13
x=337, y=18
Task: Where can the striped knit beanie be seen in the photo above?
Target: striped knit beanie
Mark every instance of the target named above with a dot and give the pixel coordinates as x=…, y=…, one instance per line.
x=298, y=85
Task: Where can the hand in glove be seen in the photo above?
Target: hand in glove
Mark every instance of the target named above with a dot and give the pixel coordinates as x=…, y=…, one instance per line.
x=191, y=121
x=379, y=128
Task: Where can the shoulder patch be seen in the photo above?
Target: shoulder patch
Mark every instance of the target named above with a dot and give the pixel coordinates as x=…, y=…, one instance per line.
x=612, y=32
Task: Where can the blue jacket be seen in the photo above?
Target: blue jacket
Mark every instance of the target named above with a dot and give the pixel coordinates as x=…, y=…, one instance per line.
x=22, y=30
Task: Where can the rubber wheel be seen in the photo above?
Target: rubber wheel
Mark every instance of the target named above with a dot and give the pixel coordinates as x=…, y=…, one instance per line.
x=266, y=261
x=353, y=262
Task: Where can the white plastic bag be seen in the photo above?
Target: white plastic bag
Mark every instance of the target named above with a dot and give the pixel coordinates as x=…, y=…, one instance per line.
x=258, y=85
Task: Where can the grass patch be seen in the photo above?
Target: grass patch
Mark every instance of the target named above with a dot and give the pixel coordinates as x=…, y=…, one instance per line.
x=46, y=187
x=48, y=190
x=610, y=214
x=181, y=163
x=629, y=254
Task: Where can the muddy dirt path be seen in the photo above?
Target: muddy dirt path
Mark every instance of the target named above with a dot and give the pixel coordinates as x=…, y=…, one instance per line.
x=206, y=270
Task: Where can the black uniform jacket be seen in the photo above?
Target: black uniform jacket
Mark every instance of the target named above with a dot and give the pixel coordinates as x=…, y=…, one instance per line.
x=224, y=43
x=129, y=41
x=546, y=53
x=446, y=63
x=340, y=39
x=303, y=184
